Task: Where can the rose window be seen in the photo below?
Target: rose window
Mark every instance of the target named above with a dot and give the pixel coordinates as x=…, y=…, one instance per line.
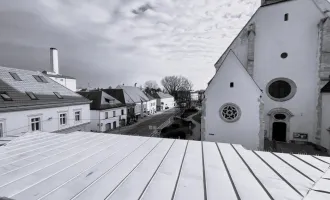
x=230, y=112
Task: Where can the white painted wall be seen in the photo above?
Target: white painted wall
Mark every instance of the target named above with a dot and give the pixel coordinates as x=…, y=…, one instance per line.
x=325, y=134
x=167, y=102
x=244, y=94
x=194, y=96
x=98, y=118
x=275, y=36
x=18, y=122
x=71, y=84
x=151, y=106
x=299, y=38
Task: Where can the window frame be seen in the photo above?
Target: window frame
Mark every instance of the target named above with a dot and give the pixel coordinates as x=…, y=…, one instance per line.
x=288, y=97
x=75, y=115
x=114, y=113
x=4, y=98
x=3, y=122
x=33, y=124
x=31, y=93
x=58, y=95
x=106, y=115
x=122, y=112
x=60, y=118
x=15, y=76
x=286, y=17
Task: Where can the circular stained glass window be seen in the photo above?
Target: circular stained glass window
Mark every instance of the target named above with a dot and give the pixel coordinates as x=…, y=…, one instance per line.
x=230, y=112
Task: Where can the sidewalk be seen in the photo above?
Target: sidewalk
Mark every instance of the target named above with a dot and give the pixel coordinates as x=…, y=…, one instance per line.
x=196, y=135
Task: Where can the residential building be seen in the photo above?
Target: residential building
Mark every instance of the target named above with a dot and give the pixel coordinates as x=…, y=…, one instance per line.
x=284, y=47
x=194, y=95
x=64, y=80
x=32, y=102
x=151, y=104
x=107, y=112
x=136, y=95
x=120, y=95
x=165, y=101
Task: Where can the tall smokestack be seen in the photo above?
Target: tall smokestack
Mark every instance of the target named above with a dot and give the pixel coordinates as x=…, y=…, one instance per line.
x=54, y=60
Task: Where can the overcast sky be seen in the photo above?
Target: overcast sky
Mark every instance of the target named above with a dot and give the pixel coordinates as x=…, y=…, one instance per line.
x=110, y=42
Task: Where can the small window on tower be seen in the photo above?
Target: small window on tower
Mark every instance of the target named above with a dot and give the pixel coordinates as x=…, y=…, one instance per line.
x=286, y=17
x=231, y=84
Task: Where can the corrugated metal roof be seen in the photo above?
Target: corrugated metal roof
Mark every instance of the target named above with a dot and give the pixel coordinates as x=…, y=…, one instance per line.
x=104, y=166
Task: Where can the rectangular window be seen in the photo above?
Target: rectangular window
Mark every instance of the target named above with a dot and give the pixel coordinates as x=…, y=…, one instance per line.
x=122, y=112
x=286, y=17
x=231, y=84
x=63, y=119
x=40, y=79
x=35, y=124
x=32, y=96
x=2, y=129
x=5, y=96
x=114, y=113
x=106, y=115
x=44, y=80
x=77, y=116
x=58, y=95
x=15, y=76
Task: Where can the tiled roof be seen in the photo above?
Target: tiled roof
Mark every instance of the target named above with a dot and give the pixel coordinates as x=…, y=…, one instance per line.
x=164, y=96
x=98, y=100
x=120, y=95
x=43, y=91
x=133, y=93
x=105, y=166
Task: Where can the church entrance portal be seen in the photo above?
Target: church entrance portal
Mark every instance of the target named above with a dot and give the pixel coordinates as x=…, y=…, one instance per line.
x=279, y=131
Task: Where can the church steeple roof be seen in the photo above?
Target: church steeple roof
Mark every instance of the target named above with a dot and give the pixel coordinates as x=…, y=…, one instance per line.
x=269, y=2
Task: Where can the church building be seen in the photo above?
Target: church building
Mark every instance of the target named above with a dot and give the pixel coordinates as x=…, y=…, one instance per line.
x=285, y=51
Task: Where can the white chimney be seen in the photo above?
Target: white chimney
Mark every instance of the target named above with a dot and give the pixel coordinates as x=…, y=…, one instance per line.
x=54, y=60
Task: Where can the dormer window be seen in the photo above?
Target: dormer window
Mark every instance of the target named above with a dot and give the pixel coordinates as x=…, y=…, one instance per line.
x=58, y=95
x=32, y=95
x=5, y=96
x=40, y=79
x=15, y=76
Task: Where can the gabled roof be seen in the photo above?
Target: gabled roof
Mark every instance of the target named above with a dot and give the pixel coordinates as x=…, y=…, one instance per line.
x=120, y=95
x=44, y=91
x=134, y=93
x=97, y=166
x=99, y=100
x=164, y=95
x=233, y=53
x=149, y=96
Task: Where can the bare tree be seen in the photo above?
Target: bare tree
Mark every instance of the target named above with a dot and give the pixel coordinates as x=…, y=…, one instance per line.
x=151, y=84
x=172, y=84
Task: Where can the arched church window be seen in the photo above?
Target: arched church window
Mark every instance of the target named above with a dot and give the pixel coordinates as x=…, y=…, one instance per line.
x=230, y=112
x=281, y=89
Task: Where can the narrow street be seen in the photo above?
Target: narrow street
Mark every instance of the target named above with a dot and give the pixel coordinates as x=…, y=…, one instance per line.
x=142, y=128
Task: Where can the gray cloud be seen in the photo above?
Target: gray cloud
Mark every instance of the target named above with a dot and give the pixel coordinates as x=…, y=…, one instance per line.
x=104, y=42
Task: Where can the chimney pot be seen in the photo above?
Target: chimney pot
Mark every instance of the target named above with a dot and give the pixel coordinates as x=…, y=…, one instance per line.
x=54, y=60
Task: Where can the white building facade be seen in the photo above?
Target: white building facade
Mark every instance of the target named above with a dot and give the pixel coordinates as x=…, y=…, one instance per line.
x=284, y=49
x=32, y=102
x=107, y=120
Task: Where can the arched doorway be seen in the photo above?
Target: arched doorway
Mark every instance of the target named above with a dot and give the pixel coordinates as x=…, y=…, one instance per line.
x=279, y=131
x=279, y=124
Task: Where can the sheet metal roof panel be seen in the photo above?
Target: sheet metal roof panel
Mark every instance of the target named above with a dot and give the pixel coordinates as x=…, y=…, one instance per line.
x=84, y=165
